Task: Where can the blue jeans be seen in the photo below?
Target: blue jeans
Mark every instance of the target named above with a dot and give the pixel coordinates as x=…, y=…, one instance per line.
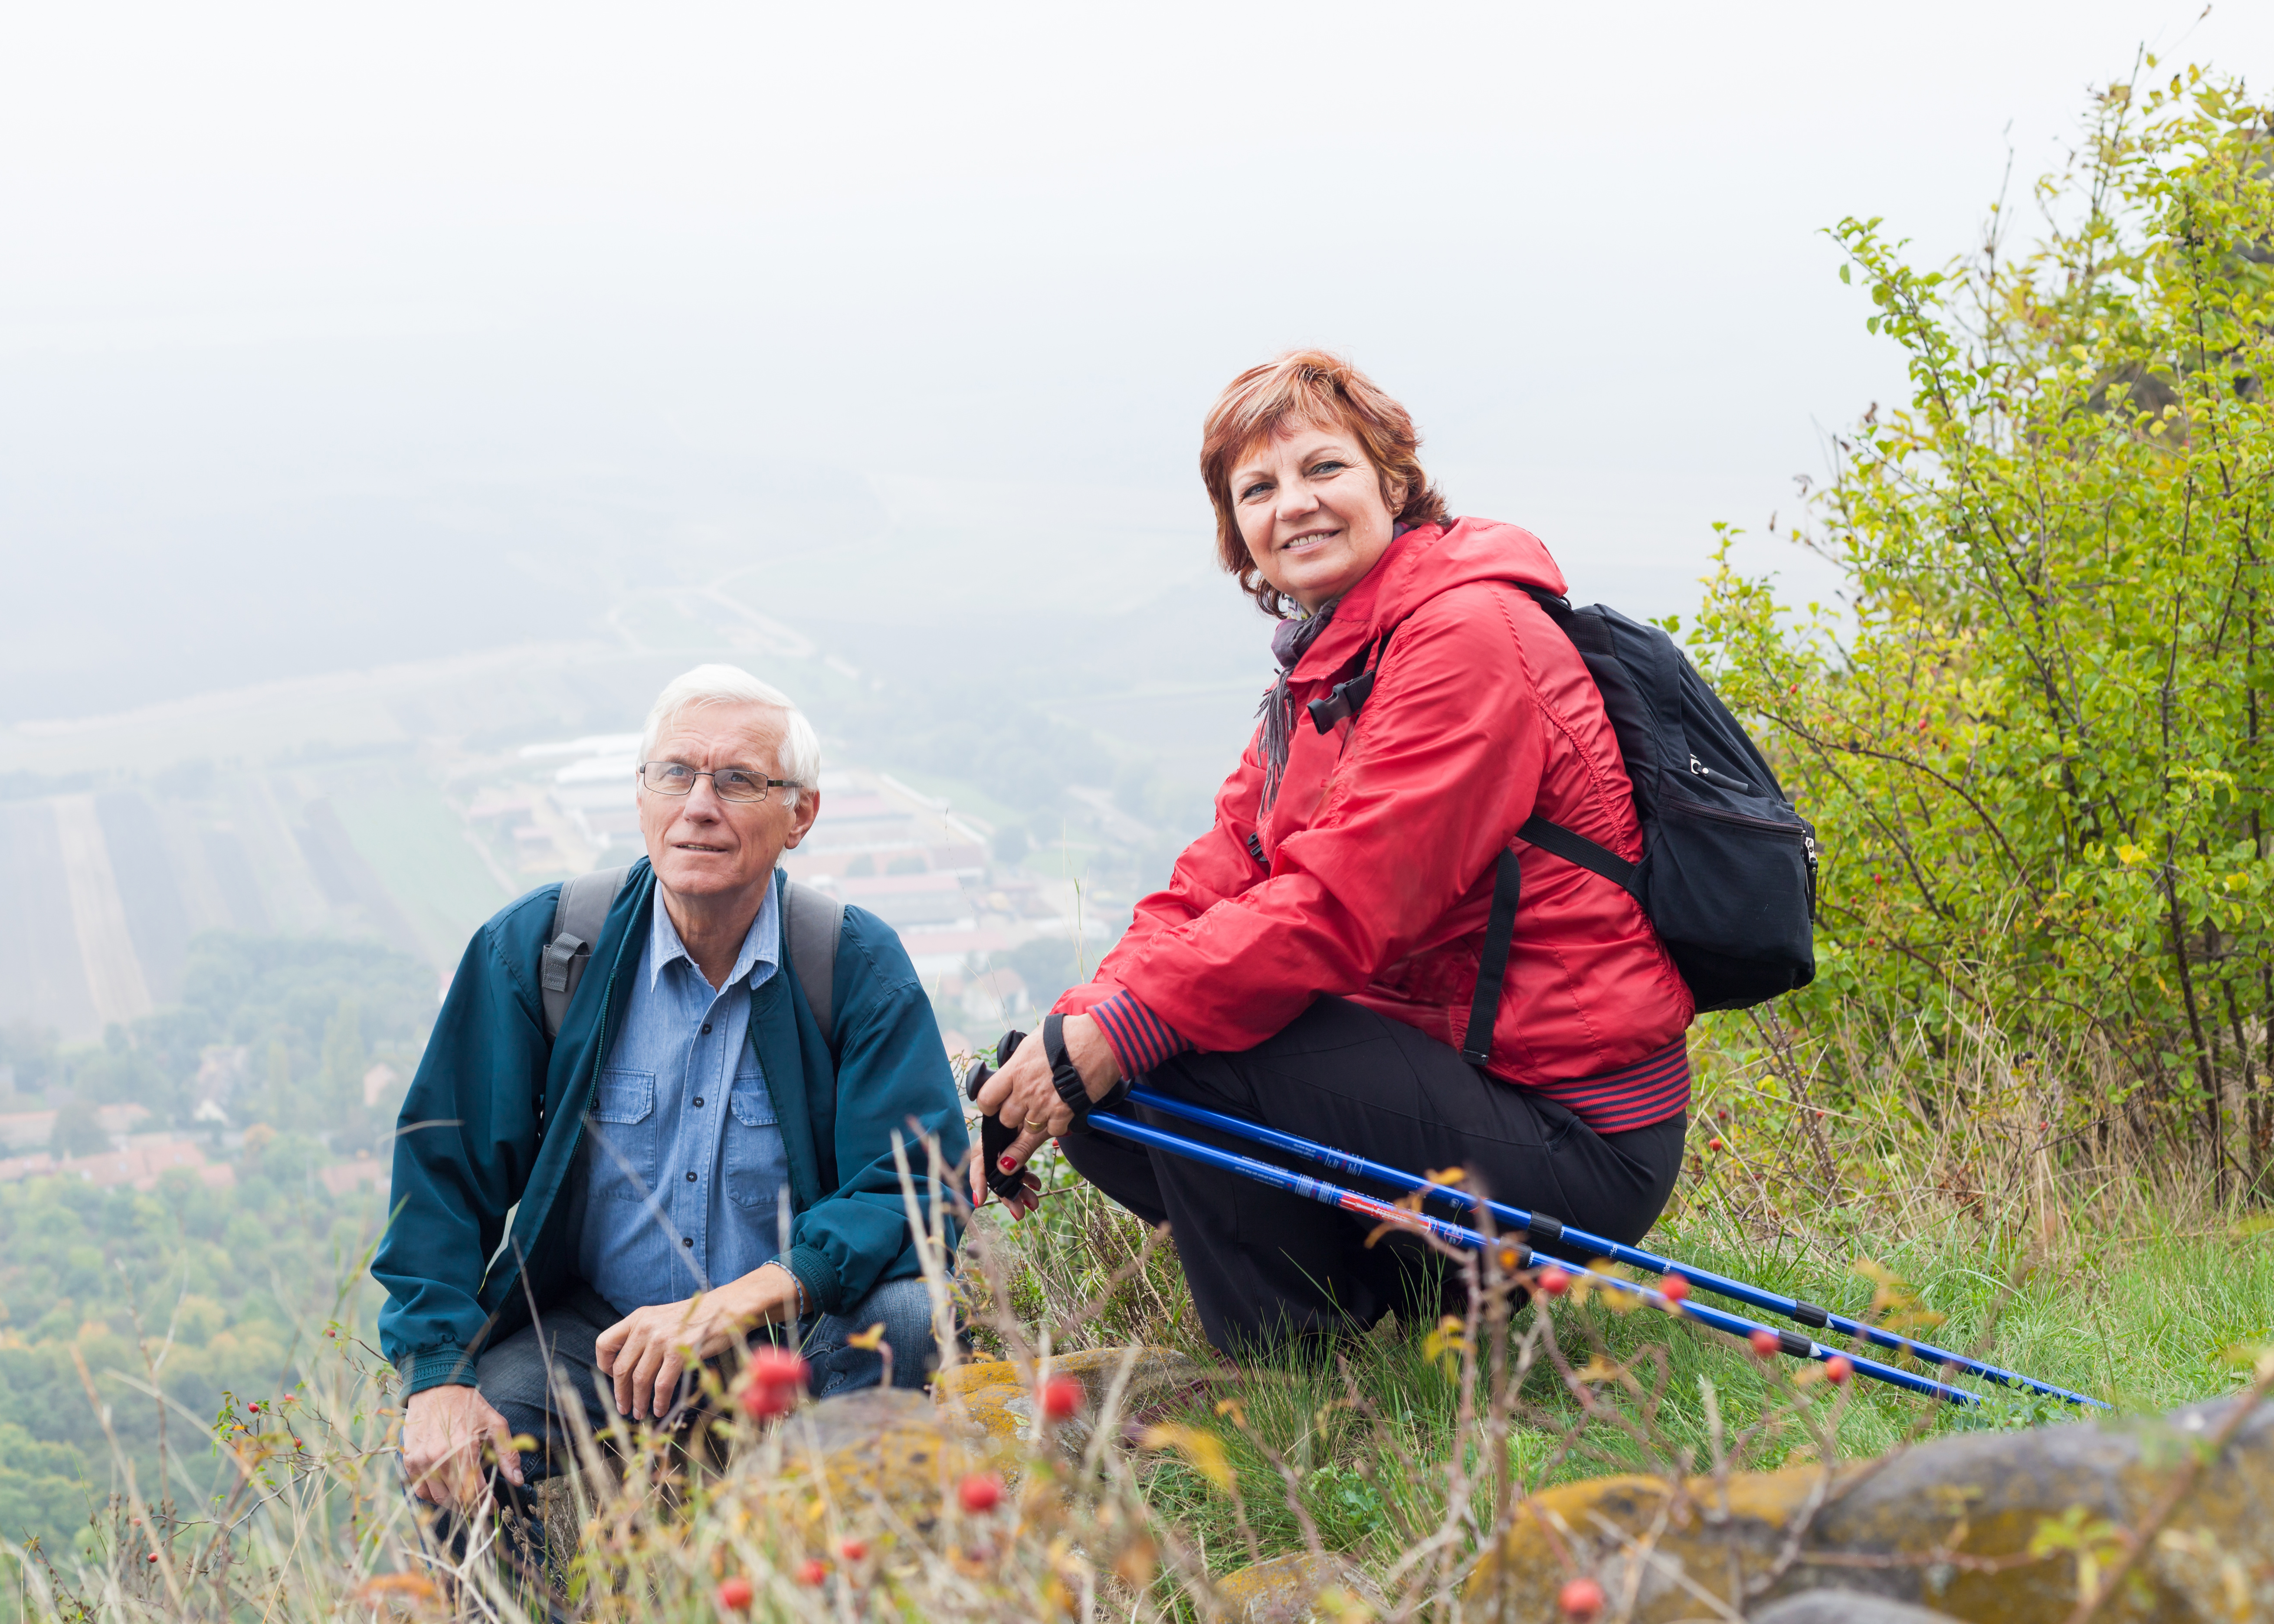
x=525, y=1377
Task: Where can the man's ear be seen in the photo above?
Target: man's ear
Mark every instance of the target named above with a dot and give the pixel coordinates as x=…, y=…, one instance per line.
x=801, y=822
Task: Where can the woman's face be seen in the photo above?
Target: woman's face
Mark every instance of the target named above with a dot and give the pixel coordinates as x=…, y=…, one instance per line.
x=1311, y=509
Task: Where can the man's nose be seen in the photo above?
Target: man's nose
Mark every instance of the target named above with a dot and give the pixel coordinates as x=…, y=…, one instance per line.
x=703, y=800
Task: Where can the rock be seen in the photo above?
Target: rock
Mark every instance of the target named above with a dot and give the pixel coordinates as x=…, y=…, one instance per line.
x=997, y=1396
x=1288, y=1589
x=1844, y=1607
x=1984, y=1495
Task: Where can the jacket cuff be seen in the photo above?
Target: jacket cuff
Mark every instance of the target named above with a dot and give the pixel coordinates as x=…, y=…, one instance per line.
x=1140, y=1039
x=436, y=1367
x=815, y=1274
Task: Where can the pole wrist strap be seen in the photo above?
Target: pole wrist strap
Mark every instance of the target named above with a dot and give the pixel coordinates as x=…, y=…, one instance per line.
x=1064, y=1077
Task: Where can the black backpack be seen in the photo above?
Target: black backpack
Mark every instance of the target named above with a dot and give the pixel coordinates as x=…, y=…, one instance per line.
x=1728, y=876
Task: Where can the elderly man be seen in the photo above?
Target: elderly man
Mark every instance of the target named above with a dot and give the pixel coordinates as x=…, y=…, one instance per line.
x=703, y=1149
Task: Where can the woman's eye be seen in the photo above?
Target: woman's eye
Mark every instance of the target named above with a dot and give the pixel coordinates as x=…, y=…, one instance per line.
x=1252, y=492
x=1320, y=471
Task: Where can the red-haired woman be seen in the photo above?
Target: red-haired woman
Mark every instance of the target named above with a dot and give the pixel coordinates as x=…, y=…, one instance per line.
x=1313, y=963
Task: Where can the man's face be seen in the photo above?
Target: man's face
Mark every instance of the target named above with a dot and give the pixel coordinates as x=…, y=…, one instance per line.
x=703, y=847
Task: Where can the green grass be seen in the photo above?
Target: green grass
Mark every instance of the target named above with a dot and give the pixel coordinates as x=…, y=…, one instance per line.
x=2148, y=1318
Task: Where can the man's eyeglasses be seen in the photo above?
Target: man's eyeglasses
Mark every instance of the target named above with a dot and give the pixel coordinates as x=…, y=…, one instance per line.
x=730, y=783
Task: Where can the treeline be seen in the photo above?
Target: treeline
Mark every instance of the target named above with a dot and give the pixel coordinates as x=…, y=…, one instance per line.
x=2035, y=730
x=282, y=1030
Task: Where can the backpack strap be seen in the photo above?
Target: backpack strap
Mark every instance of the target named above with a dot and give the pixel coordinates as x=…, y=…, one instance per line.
x=812, y=921
x=1499, y=926
x=578, y=913
x=1347, y=699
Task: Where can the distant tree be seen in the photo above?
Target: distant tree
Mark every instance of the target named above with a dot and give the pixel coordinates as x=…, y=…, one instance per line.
x=77, y=1132
x=911, y=863
x=344, y=1058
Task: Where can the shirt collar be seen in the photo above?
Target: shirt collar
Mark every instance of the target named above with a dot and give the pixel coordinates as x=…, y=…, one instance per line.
x=761, y=944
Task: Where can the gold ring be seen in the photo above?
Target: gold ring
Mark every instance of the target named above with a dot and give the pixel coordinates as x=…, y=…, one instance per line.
x=1033, y=1125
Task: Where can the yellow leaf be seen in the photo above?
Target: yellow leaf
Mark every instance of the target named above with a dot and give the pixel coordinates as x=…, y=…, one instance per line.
x=2131, y=856
x=1600, y=1369
x=870, y=1339
x=1202, y=1449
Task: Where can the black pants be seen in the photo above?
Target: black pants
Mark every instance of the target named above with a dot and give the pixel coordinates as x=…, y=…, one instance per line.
x=1266, y=1266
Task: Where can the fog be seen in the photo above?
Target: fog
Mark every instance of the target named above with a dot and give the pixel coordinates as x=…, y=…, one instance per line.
x=399, y=378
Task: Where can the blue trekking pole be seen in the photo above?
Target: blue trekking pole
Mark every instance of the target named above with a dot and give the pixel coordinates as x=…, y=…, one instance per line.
x=994, y=1135
x=1543, y=1227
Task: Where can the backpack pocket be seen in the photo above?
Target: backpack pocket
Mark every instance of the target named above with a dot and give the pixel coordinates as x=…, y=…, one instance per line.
x=1731, y=891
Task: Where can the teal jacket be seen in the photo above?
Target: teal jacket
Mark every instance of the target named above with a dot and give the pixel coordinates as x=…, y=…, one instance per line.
x=493, y=1120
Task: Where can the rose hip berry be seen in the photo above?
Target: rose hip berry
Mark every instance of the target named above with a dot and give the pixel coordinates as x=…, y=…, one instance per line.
x=735, y=1594
x=1838, y=1368
x=813, y=1570
x=1554, y=1281
x=853, y=1550
x=1062, y=1396
x=1764, y=1340
x=1580, y=1599
x=981, y=1493
x=1674, y=1289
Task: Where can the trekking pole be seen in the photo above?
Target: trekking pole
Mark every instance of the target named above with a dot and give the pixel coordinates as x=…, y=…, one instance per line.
x=1540, y=1226
x=1453, y=1234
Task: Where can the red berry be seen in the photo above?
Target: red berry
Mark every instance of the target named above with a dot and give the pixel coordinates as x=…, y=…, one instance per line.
x=253, y=1409
x=779, y=1367
x=1554, y=1281
x=1580, y=1599
x=1765, y=1342
x=762, y=1402
x=1713, y=1144
x=151, y=1557
x=981, y=1493
x=813, y=1570
x=1675, y=1289
x=853, y=1550
x=1838, y=1368
x=1062, y=1396
x=735, y=1594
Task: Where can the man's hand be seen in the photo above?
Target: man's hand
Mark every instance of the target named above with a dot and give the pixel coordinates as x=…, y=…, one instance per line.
x=443, y=1432
x=1023, y=1094
x=647, y=1351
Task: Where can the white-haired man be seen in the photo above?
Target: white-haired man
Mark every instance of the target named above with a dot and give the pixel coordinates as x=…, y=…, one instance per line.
x=701, y=1153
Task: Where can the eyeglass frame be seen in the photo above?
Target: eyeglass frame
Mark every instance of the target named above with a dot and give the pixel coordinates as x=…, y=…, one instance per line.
x=758, y=799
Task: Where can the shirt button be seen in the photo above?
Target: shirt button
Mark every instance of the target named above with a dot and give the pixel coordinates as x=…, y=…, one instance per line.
x=706, y=1026
x=698, y=1100
x=687, y=1240
x=690, y=1178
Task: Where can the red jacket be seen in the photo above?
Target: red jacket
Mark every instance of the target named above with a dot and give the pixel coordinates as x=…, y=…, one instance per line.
x=1379, y=854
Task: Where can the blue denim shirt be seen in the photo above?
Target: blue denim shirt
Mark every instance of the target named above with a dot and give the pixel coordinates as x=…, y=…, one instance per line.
x=683, y=1165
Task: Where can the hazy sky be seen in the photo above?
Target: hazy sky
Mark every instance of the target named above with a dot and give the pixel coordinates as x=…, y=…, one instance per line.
x=313, y=318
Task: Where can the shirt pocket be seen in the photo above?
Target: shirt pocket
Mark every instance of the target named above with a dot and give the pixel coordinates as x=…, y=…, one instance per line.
x=756, y=1166
x=621, y=1158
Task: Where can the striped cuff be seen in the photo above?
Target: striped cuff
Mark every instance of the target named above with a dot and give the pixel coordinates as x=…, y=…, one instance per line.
x=1140, y=1039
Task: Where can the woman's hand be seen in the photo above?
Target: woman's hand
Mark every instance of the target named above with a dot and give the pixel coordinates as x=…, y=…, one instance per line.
x=647, y=1351
x=1024, y=1096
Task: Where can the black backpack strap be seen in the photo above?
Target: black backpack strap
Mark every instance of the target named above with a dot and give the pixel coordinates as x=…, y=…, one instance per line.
x=1347, y=699
x=578, y=913
x=1499, y=926
x=1492, y=965
x=812, y=921
x=1577, y=848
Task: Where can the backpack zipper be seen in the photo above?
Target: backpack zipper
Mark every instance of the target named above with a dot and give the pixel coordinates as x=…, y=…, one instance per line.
x=1796, y=830
x=1720, y=781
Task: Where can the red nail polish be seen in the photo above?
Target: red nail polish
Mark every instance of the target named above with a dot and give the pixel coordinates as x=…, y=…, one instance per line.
x=1009, y=1164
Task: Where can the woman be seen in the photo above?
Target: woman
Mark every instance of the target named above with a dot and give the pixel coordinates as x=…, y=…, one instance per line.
x=1313, y=962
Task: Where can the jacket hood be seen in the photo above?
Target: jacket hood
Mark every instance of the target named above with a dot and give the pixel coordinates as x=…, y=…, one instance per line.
x=1425, y=562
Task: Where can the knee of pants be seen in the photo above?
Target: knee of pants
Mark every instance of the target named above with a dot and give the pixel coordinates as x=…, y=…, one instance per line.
x=904, y=1308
